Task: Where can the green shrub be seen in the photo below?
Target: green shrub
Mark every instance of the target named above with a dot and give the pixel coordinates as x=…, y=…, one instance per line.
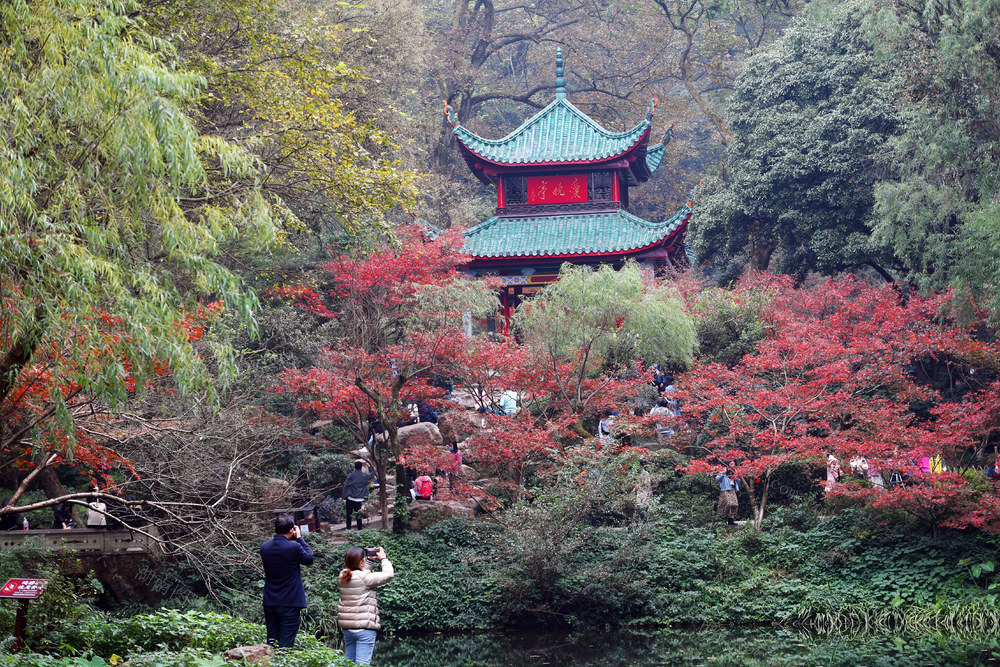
x=175, y=630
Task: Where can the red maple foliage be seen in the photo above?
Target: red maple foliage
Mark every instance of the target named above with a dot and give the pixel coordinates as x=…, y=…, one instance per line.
x=57, y=403
x=399, y=328
x=510, y=448
x=854, y=371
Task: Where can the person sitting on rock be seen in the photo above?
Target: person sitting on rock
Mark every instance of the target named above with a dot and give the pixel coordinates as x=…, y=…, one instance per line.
x=423, y=487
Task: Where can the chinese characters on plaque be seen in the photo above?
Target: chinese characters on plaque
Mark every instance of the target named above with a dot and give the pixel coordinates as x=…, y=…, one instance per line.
x=557, y=189
x=23, y=588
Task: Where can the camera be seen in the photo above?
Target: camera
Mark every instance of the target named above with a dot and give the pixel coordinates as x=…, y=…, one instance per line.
x=371, y=552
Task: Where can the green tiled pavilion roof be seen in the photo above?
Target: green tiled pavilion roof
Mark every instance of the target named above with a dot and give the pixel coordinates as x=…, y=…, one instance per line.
x=585, y=234
x=654, y=156
x=559, y=133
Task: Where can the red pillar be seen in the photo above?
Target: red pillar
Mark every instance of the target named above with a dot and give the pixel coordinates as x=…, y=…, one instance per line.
x=506, y=311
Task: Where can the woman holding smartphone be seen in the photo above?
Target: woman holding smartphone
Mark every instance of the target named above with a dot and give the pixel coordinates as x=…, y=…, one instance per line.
x=357, y=611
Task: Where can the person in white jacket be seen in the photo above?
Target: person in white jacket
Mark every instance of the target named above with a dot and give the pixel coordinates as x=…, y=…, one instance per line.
x=357, y=611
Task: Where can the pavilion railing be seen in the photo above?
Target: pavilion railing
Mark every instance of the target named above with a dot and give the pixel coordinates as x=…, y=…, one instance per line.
x=84, y=540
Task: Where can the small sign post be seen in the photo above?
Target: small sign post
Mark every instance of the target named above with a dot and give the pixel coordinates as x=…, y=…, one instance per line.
x=23, y=590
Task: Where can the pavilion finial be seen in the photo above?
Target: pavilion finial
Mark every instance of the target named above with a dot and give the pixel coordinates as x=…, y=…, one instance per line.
x=695, y=191
x=449, y=113
x=560, y=76
x=668, y=135
x=652, y=108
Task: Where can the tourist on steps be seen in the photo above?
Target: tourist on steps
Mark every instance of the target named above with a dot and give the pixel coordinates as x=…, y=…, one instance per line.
x=356, y=492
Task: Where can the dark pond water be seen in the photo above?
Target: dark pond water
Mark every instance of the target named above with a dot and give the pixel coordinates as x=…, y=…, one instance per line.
x=741, y=646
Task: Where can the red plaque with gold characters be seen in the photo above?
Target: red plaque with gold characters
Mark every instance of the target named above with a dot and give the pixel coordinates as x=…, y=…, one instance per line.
x=557, y=189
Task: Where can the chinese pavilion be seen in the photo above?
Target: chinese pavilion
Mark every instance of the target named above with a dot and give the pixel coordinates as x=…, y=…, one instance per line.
x=562, y=184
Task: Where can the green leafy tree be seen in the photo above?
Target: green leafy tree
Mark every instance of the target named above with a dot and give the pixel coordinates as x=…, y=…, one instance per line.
x=809, y=114
x=280, y=80
x=938, y=209
x=608, y=315
x=114, y=211
x=584, y=332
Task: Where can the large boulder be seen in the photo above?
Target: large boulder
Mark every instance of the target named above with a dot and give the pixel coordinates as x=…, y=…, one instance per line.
x=425, y=512
x=459, y=424
x=419, y=435
x=259, y=654
x=469, y=474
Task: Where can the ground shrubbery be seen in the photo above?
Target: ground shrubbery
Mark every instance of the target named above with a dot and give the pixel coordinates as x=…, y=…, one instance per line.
x=858, y=568
x=466, y=575
x=169, y=637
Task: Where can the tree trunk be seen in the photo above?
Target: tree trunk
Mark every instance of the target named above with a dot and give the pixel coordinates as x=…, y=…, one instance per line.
x=383, y=496
x=759, y=519
x=761, y=249
x=580, y=430
x=400, y=512
x=757, y=511
x=753, y=498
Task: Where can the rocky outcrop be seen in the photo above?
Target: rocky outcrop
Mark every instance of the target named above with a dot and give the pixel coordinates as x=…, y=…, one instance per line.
x=459, y=424
x=468, y=474
x=464, y=398
x=419, y=435
x=425, y=512
x=275, y=492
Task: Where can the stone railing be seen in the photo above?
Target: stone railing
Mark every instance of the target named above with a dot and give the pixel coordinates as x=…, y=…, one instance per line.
x=83, y=540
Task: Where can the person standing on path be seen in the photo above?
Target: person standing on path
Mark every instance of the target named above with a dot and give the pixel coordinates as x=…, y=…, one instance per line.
x=357, y=610
x=284, y=595
x=356, y=492
x=729, y=484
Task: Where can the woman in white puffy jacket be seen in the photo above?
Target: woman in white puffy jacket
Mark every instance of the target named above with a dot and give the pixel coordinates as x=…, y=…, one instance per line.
x=357, y=611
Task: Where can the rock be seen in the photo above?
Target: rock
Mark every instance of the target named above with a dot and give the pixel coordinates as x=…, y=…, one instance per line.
x=469, y=474
x=255, y=655
x=483, y=483
x=425, y=512
x=464, y=398
x=459, y=424
x=419, y=435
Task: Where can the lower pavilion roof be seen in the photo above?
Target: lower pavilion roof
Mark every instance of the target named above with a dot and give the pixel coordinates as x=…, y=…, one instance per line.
x=606, y=233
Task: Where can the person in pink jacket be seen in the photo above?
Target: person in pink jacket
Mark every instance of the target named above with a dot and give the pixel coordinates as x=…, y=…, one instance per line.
x=357, y=611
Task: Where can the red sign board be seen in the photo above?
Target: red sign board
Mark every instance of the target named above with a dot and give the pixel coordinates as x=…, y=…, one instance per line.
x=557, y=189
x=27, y=589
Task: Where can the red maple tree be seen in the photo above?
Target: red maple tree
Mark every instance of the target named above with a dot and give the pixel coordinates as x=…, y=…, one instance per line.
x=58, y=397
x=400, y=311
x=850, y=370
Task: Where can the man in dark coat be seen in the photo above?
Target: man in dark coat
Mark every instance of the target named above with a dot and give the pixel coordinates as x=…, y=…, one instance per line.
x=284, y=595
x=356, y=492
